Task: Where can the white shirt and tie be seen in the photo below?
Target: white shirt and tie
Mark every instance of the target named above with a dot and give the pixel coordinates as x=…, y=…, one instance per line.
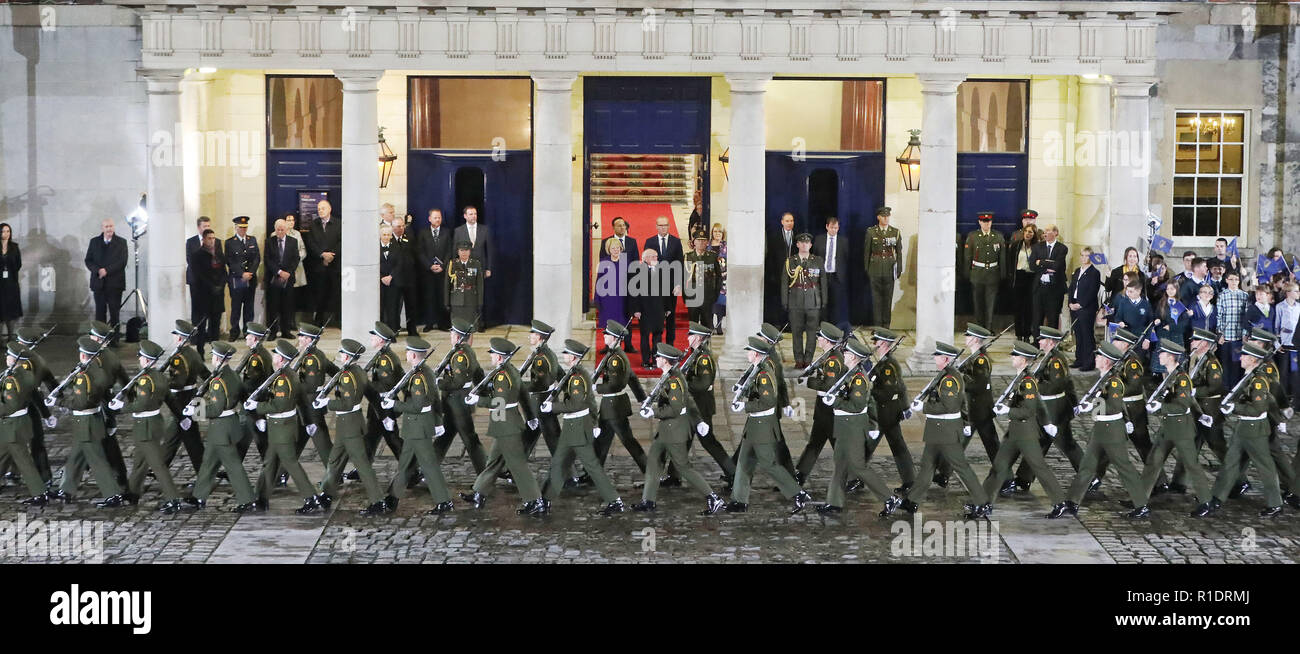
x=472, y=230
x=830, y=253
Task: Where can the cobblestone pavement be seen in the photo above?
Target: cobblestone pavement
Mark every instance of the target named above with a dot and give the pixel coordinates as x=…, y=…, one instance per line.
x=675, y=533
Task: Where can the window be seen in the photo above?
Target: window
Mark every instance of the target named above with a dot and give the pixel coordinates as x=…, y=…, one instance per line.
x=471, y=113
x=825, y=115
x=304, y=112
x=1209, y=174
x=992, y=116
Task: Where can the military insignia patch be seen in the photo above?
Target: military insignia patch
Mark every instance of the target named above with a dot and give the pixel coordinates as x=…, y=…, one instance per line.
x=1113, y=383
x=857, y=382
x=614, y=363
x=78, y=382
x=460, y=358
x=9, y=385
x=1258, y=385
x=577, y=382
x=1056, y=365
x=948, y=383
x=830, y=364
x=1182, y=382
x=672, y=386
x=280, y=382
x=887, y=371
x=501, y=377
x=311, y=362
x=142, y=382
x=417, y=381
x=255, y=363
x=1029, y=384
x=762, y=380
x=383, y=363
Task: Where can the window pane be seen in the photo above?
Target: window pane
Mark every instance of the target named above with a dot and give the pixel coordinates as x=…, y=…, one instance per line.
x=1209, y=128
x=991, y=116
x=827, y=115
x=1207, y=157
x=1207, y=221
x=468, y=113
x=1185, y=159
x=1184, y=190
x=1232, y=158
x=305, y=112
x=1183, y=218
x=1207, y=190
x=1184, y=129
x=1229, y=222
x=1232, y=127
x=1230, y=191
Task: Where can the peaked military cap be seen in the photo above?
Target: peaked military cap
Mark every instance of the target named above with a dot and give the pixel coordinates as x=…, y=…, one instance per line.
x=667, y=351
x=542, y=328
x=698, y=329
x=1199, y=334
x=759, y=345
x=885, y=335
x=830, y=332
x=1023, y=349
x=575, y=348
x=1050, y=332
x=87, y=345
x=1109, y=351
x=770, y=332
x=223, y=349
x=858, y=348
x=285, y=349
x=384, y=331
x=351, y=348
x=501, y=346
x=308, y=329
x=183, y=328
x=616, y=330
x=977, y=331
x=1254, y=350
x=417, y=344
x=945, y=349
x=150, y=350
x=1125, y=335
x=461, y=327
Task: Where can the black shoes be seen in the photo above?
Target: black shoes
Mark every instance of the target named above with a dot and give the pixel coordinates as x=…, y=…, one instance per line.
x=737, y=507
x=713, y=504
x=572, y=482
x=309, y=505
x=1138, y=513
x=111, y=502
x=532, y=507
x=1270, y=512
x=613, y=507
x=352, y=475
x=324, y=500
x=246, y=508
x=909, y=506
x=940, y=480
x=901, y=491
x=169, y=507
x=891, y=504
x=1203, y=510
x=1008, y=488
x=828, y=509
x=193, y=503
x=475, y=499
x=283, y=480
x=59, y=496
x=1095, y=485
x=644, y=505
x=1292, y=499
x=1175, y=487
x=1159, y=489
x=585, y=480
x=1071, y=508
x=1058, y=510
x=800, y=477
x=36, y=500
x=1239, y=490
x=378, y=508
x=670, y=481
x=801, y=499
x=854, y=486
x=441, y=508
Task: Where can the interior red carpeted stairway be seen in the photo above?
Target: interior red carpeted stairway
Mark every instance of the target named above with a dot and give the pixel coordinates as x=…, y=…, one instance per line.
x=641, y=178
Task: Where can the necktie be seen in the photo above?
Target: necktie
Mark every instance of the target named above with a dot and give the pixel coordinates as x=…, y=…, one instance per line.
x=435, y=233
x=282, y=248
x=830, y=256
x=663, y=246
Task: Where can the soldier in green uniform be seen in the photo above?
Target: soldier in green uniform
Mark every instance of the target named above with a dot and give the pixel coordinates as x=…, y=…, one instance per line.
x=1109, y=435
x=284, y=398
x=256, y=367
x=612, y=383
x=185, y=369
x=775, y=364
x=701, y=372
x=385, y=369
x=506, y=428
x=314, y=369
x=884, y=264
x=461, y=374
x=1056, y=392
x=1024, y=412
x=758, y=446
x=38, y=412
x=543, y=373
x=945, y=425
x=703, y=279
x=983, y=261
x=573, y=401
x=804, y=297
x=465, y=285
x=823, y=419
x=144, y=400
x=977, y=373
x=1136, y=381
x=853, y=412
x=1252, y=406
x=221, y=404
x=890, y=395
x=1207, y=379
x=421, y=413
x=84, y=398
x=15, y=427
x=673, y=436
x=1269, y=341
x=345, y=404
x=114, y=374
x=1177, y=407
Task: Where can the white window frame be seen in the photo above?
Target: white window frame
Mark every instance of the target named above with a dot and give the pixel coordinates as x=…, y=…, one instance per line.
x=1201, y=242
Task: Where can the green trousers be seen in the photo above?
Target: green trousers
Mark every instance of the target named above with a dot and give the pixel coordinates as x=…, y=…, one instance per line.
x=1022, y=442
x=148, y=434
x=562, y=462
x=283, y=454
x=1114, y=445
x=1250, y=441
x=508, y=454
x=985, y=297
x=1183, y=446
x=956, y=457
x=225, y=456
x=679, y=454
x=90, y=453
x=882, y=299
x=422, y=451
x=19, y=451
x=850, y=455
x=763, y=456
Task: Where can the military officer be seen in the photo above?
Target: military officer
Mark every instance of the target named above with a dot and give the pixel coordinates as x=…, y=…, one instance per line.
x=612, y=383
x=829, y=372
x=758, y=446
x=884, y=254
x=144, y=400
x=1110, y=425
x=84, y=398
x=185, y=368
x=461, y=374
x=39, y=414
x=221, y=402
x=1056, y=392
x=700, y=374
x=314, y=369
x=256, y=368
x=465, y=284
x=506, y=428
x=1177, y=406
x=344, y=401
x=945, y=425
x=977, y=374
x=804, y=296
x=1207, y=379
x=854, y=424
x=573, y=403
x=983, y=260
x=1024, y=412
x=422, y=422
x=703, y=279
x=15, y=427
x=890, y=395
x=673, y=436
x=242, y=260
x=1252, y=406
x=284, y=398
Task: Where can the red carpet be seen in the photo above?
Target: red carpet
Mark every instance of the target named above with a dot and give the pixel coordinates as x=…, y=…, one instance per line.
x=641, y=178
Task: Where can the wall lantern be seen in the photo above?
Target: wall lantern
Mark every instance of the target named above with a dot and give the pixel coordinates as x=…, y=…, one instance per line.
x=909, y=163
x=386, y=159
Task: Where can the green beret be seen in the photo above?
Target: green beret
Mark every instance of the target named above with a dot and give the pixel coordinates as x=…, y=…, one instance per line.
x=351, y=348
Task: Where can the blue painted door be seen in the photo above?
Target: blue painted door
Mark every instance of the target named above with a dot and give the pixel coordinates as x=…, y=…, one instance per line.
x=988, y=181
x=291, y=171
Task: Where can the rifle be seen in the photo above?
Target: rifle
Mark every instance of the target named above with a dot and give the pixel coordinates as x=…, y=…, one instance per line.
x=446, y=360
x=52, y=398
x=1196, y=369
x=202, y=389
x=488, y=377
x=248, y=356
x=1230, y=400
x=742, y=387
x=961, y=365
x=815, y=365
x=333, y=381
x=43, y=337
x=1015, y=381
x=745, y=378
x=689, y=360
x=1136, y=346
x=1164, y=383
x=532, y=356
x=653, y=396
x=1090, y=398
x=840, y=383
x=302, y=354
x=401, y=383
x=872, y=374
x=184, y=341
x=600, y=367
x=934, y=381
x=266, y=383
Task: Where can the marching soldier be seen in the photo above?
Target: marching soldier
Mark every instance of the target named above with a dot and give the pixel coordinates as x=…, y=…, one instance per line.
x=144, y=400
x=1208, y=382
x=762, y=428
x=703, y=279
x=84, y=399
x=854, y=424
x=422, y=419
x=1109, y=436
x=256, y=370
x=1024, y=412
x=186, y=369
x=314, y=369
x=543, y=373
x=775, y=365
x=1056, y=392
x=1135, y=379
x=890, y=395
x=884, y=265
x=465, y=285
x=804, y=297
x=983, y=261
x=1250, y=439
x=385, y=369
x=345, y=404
x=1285, y=475
x=945, y=425
x=221, y=403
x=242, y=260
x=1177, y=406
x=462, y=373
x=38, y=413
x=615, y=408
x=283, y=400
x=823, y=420
x=700, y=374
x=114, y=374
x=505, y=427
x=15, y=427
x=674, y=434
x=977, y=374
x=573, y=402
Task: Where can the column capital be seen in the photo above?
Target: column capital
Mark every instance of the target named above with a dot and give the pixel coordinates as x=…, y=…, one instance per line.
x=554, y=81
x=162, y=81
x=748, y=82
x=1094, y=80
x=940, y=83
x=1133, y=86
x=359, y=81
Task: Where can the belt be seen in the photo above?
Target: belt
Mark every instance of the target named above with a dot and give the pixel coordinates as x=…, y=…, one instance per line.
x=508, y=406
x=85, y=412
x=227, y=413
x=1101, y=417
x=977, y=264
x=1133, y=398
x=146, y=414
x=426, y=409
x=612, y=394
x=282, y=415
x=18, y=414
x=761, y=414
x=1052, y=397
x=185, y=388
x=576, y=414
x=355, y=408
x=944, y=416
x=1258, y=417
x=1212, y=397
x=849, y=413
x=1175, y=415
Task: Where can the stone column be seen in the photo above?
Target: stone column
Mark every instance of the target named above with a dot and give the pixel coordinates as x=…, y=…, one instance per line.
x=936, y=271
x=359, y=301
x=554, y=228
x=165, y=241
x=1130, y=164
x=1092, y=179
x=746, y=203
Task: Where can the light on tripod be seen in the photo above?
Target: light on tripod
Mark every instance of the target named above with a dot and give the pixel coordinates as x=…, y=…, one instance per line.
x=138, y=219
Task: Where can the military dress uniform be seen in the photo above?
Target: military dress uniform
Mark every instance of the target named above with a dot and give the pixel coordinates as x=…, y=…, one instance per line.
x=614, y=379
x=1110, y=424
x=1024, y=412
x=774, y=364
x=1208, y=382
x=854, y=415
x=945, y=425
x=506, y=428
x=314, y=370
x=977, y=374
x=256, y=368
x=823, y=419
x=15, y=427
x=465, y=287
x=543, y=373
x=804, y=297
x=242, y=256
x=221, y=403
x=700, y=375
x=672, y=438
x=1056, y=392
x=1178, y=410
x=186, y=369
x=703, y=283
x=285, y=396
x=1135, y=379
x=84, y=398
x=984, y=262
x=350, y=427
x=884, y=260
x=114, y=374
x=762, y=428
x=144, y=401
x=37, y=412
x=1250, y=439
x=462, y=373
x=385, y=369
x=421, y=411
x=889, y=392
x=1285, y=473
x=573, y=405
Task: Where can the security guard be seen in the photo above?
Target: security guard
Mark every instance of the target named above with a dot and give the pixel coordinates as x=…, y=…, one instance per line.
x=350, y=425
x=39, y=414
x=890, y=395
x=314, y=369
x=673, y=436
x=144, y=400
x=242, y=260
x=823, y=419
x=884, y=265
x=1208, y=382
x=506, y=428
x=945, y=425
x=15, y=427
x=465, y=285
x=221, y=402
x=804, y=296
x=256, y=368
x=977, y=373
x=1110, y=426
x=1177, y=407
x=1056, y=392
x=612, y=383
x=283, y=399
x=462, y=373
x=186, y=369
x=422, y=422
x=1023, y=410
x=854, y=424
x=84, y=397
x=758, y=446
x=573, y=404
x=1250, y=439
x=983, y=260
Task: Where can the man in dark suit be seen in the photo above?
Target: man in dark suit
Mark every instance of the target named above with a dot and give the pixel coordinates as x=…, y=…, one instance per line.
x=393, y=271
x=480, y=239
x=106, y=261
x=1048, y=262
x=649, y=306
x=209, y=266
x=1085, y=283
x=669, y=249
x=281, y=264
x=408, y=262
x=834, y=251
x=198, y=294
x=630, y=249
x=324, y=247
x=780, y=247
x=242, y=260
x=434, y=254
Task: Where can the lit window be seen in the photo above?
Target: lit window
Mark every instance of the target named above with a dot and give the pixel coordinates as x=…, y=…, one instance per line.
x=1209, y=174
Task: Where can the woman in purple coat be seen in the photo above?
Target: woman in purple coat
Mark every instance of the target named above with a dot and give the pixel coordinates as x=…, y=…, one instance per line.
x=611, y=285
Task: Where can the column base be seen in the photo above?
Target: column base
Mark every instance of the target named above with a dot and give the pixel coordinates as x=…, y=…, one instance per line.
x=921, y=361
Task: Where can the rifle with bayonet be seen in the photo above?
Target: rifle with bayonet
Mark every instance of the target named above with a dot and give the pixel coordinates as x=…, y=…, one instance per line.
x=934, y=381
x=1027, y=370
x=1158, y=394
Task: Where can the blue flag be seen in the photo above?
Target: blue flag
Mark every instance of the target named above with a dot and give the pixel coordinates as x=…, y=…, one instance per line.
x=1162, y=244
x=1232, y=247
x=1111, y=328
x=1097, y=259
